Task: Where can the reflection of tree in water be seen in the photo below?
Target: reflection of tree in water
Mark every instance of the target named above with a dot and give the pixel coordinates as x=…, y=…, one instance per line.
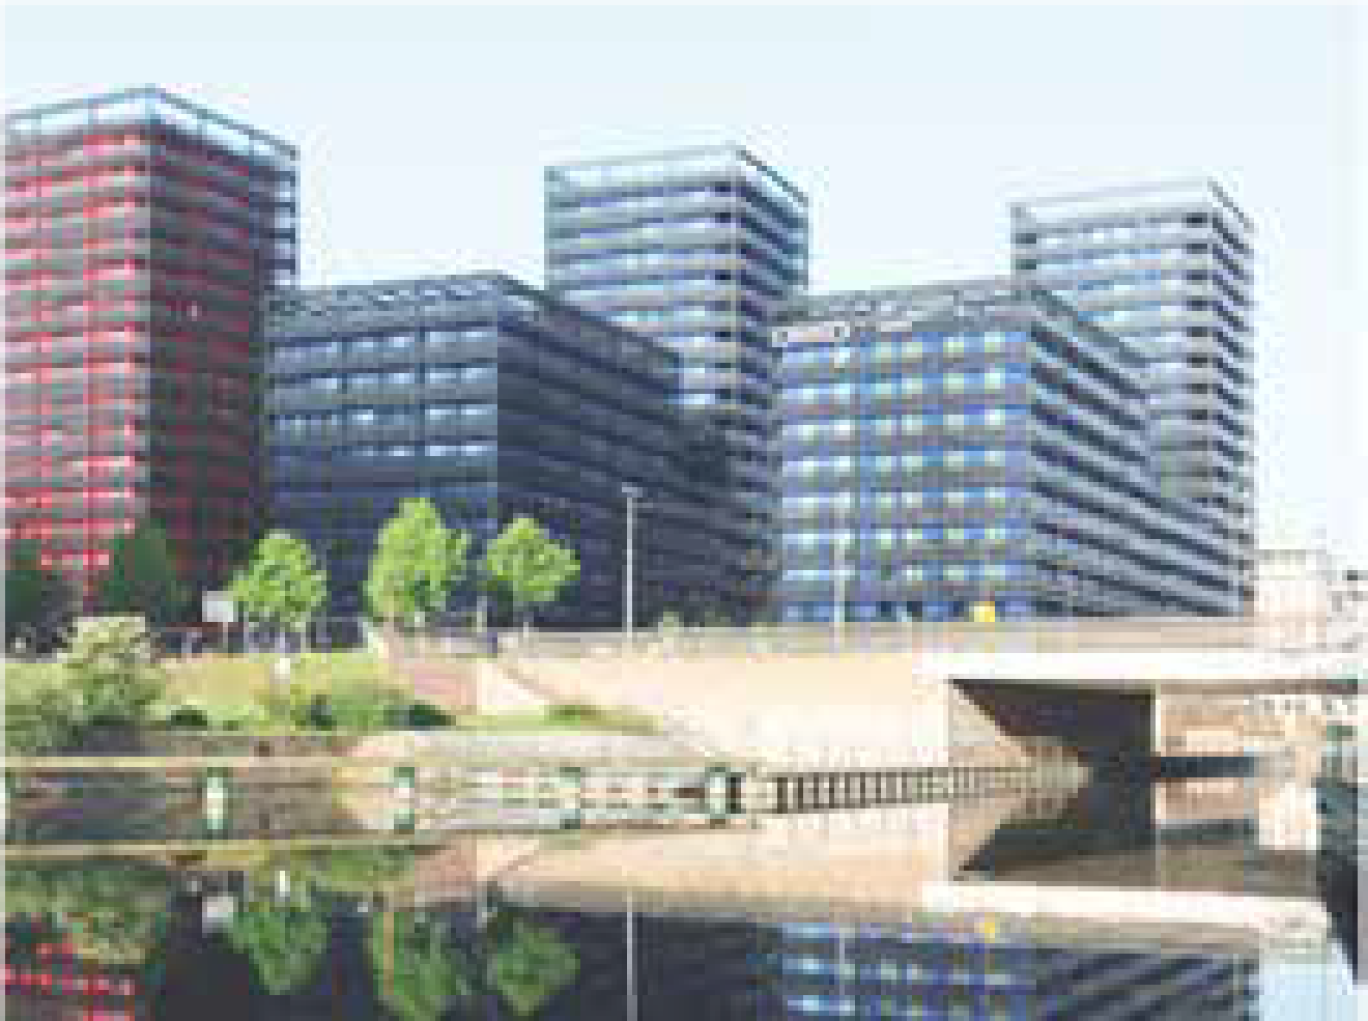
x=526, y=963
x=418, y=974
x=124, y=912
x=114, y=910
x=286, y=939
x=512, y=966
x=361, y=870
x=284, y=942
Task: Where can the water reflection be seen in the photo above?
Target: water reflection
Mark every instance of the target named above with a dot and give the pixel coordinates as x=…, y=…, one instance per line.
x=1192, y=900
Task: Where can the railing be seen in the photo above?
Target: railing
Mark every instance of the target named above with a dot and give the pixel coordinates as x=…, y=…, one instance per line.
x=1073, y=636
x=1330, y=657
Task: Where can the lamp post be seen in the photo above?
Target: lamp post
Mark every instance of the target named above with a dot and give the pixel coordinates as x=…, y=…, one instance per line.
x=838, y=609
x=633, y=495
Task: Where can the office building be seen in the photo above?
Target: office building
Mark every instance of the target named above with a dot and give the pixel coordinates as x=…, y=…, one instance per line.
x=143, y=233
x=1308, y=598
x=1167, y=269
x=971, y=449
x=493, y=400
x=695, y=248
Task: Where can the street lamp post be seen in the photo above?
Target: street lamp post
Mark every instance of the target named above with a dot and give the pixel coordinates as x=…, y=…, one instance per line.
x=633, y=495
x=838, y=609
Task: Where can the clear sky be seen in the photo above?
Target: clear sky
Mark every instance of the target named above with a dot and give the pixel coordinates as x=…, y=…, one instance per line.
x=423, y=132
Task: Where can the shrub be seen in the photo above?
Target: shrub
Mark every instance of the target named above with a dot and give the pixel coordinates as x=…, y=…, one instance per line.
x=42, y=714
x=188, y=717
x=574, y=712
x=422, y=715
x=356, y=704
x=110, y=671
x=247, y=716
x=288, y=706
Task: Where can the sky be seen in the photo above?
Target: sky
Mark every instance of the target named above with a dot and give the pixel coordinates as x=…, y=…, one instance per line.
x=423, y=132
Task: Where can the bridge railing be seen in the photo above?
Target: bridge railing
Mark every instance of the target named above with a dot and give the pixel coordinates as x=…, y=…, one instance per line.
x=1027, y=636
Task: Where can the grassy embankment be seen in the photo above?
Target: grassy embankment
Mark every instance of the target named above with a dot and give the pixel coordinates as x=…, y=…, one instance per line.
x=236, y=693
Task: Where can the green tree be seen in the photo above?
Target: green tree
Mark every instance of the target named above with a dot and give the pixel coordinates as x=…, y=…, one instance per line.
x=38, y=601
x=418, y=976
x=110, y=671
x=141, y=577
x=282, y=585
x=526, y=568
x=283, y=941
x=417, y=561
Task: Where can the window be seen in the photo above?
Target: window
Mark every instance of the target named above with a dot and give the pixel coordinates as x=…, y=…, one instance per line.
x=458, y=449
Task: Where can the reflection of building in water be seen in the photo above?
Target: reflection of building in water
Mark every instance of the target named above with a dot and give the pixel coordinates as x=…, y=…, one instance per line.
x=866, y=921
x=1340, y=809
x=668, y=963
x=945, y=970
x=46, y=977
x=1287, y=817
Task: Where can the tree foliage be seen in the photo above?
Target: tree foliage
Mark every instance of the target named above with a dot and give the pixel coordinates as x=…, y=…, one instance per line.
x=141, y=577
x=417, y=561
x=527, y=964
x=115, y=910
x=282, y=584
x=110, y=671
x=38, y=600
x=525, y=567
x=417, y=974
x=283, y=941
x=41, y=712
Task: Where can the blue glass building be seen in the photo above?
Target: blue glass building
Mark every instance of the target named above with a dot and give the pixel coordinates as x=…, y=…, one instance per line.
x=696, y=248
x=494, y=401
x=949, y=447
x=949, y=970
x=1167, y=267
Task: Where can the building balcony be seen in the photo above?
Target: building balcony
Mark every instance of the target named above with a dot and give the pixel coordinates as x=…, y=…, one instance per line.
x=683, y=204
x=1066, y=408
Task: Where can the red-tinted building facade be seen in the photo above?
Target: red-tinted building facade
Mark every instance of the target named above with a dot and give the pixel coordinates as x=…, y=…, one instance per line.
x=143, y=234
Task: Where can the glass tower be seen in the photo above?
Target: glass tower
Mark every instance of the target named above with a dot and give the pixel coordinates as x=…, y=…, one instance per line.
x=143, y=234
x=697, y=248
x=948, y=448
x=1167, y=268
x=494, y=401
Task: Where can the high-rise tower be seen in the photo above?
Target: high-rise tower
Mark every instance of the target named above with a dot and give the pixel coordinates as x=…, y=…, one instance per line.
x=953, y=447
x=695, y=247
x=1166, y=267
x=143, y=234
x=493, y=401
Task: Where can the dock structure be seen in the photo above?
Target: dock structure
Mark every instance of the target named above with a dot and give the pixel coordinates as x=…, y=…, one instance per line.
x=436, y=793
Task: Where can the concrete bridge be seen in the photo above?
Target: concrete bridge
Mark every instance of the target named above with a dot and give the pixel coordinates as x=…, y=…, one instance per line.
x=905, y=695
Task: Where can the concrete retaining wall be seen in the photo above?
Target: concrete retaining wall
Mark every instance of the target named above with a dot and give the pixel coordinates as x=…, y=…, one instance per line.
x=845, y=710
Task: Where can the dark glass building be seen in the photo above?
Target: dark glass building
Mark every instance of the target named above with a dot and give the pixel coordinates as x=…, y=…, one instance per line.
x=1167, y=267
x=143, y=234
x=950, y=448
x=493, y=400
x=695, y=248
